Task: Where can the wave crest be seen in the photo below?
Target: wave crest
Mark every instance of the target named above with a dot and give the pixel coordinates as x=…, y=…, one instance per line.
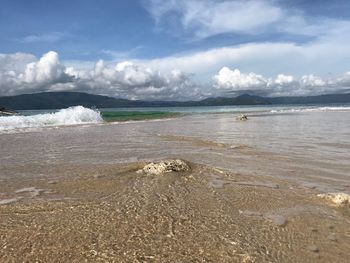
x=70, y=116
x=313, y=109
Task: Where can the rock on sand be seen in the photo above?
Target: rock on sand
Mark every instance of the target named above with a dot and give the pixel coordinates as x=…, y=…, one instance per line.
x=338, y=199
x=166, y=166
x=242, y=117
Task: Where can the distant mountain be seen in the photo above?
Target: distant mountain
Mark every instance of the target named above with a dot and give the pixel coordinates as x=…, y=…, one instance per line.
x=58, y=100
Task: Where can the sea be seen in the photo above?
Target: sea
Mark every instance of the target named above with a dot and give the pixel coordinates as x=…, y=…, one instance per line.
x=309, y=144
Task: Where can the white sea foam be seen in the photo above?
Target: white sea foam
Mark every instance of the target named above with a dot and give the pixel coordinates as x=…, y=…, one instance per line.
x=313, y=109
x=70, y=116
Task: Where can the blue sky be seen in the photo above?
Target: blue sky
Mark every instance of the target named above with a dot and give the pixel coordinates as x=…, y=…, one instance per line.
x=175, y=49
x=84, y=29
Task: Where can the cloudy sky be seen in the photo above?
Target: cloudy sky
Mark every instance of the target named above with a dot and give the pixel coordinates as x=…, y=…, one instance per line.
x=175, y=49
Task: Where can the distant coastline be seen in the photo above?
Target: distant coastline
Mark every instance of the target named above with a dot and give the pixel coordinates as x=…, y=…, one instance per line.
x=59, y=100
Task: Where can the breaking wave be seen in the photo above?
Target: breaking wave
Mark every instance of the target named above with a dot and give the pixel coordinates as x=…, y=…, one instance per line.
x=70, y=116
x=313, y=109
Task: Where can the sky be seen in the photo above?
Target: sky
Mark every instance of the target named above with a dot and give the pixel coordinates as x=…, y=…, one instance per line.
x=175, y=49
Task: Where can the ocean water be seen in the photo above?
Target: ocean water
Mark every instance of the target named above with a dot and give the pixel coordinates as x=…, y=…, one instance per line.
x=309, y=144
x=29, y=119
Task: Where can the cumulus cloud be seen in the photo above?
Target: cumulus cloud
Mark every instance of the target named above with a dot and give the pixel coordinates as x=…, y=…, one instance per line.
x=282, y=79
x=228, y=81
x=123, y=80
x=39, y=75
x=131, y=81
x=23, y=73
x=235, y=80
x=48, y=70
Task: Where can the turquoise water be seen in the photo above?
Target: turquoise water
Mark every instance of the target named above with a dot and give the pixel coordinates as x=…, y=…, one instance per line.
x=208, y=109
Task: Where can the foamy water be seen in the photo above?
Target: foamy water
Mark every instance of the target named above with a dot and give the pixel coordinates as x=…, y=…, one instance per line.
x=312, y=109
x=70, y=116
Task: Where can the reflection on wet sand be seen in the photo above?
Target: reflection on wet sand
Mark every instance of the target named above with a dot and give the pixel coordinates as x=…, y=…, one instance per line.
x=203, y=143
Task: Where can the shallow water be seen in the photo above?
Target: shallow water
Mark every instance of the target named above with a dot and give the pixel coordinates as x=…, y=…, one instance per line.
x=72, y=192
x=308, y=146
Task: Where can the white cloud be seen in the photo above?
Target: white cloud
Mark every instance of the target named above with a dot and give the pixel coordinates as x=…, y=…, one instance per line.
x=282, y=80
x=199, y=19
x=323, y=47
x=228, y=81
x=15, y=61
x=49, y=37
x=328, y=53
x=127, y=80
x=235, y=80
x=207, y=18
x=123, y=80
x=20, y=74
x=47, y=70
x=254, y=57
x=267, y=58
x=39, y=75
x=305, y=66
x=312, y=81
x=344, y=80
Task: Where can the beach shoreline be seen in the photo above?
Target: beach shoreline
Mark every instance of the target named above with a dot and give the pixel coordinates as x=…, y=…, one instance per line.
x=77, y=194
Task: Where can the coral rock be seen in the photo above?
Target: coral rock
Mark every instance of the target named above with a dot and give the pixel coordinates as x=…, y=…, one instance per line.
x=242, y=117
x=166, y=166
x=337, y=198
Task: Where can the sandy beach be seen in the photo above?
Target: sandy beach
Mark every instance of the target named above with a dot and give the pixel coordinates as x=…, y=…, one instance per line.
x=207, y=215
x=175, y=131
x=76, y=194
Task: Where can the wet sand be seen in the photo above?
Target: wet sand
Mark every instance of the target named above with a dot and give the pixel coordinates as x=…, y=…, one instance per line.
x=72, y=195
x=116, y=214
